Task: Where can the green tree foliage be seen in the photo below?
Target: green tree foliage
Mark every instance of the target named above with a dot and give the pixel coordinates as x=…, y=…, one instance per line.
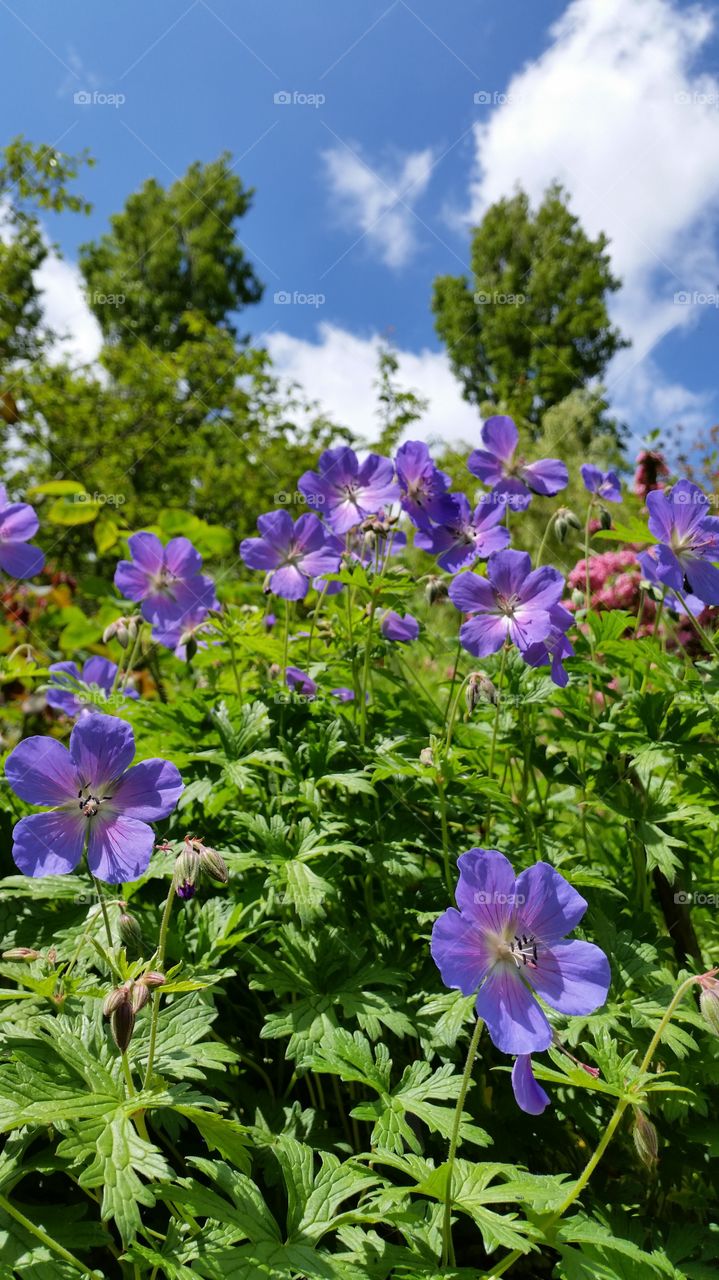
x=170, y=252
x=531, y=326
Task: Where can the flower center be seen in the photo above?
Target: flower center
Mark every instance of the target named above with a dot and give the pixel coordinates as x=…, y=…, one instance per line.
x=522, y=950
x=163, y=582
x=89, y=804
x=351, y=492
x=508, y=604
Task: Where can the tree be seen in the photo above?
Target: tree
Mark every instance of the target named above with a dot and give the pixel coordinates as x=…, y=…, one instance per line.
x=532, y=325
x=170, y=252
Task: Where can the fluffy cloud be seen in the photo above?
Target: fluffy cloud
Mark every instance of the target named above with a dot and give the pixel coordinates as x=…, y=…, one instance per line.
x=66, y=310
x=340, y=371
x=615, y=111
x=378, y=204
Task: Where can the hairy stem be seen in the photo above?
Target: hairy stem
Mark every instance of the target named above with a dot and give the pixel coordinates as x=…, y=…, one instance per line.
x=447, y=1246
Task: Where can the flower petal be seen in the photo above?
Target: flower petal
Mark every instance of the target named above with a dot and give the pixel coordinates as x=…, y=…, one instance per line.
x=101, y=748
x=573, y=977
x=119, y=848
x=703, y=579
x=131, y=580
x=18, y=523
x=99, y=671
x=487, y=467
x=21, y=560
x=147, y=551
x=507, y=571
x=470, y=593
x=500, y=436
x=529, y=1095
x=484, y=634
x=459, y=952
x=485, y=890
x=258, y=553
x=277, y=528
x=49, y=844
x=41, y=771
x=289, y=582
x=182, y=559
x=149, y=791
x=515, y=1022
x=546, y=477
x=548, y=906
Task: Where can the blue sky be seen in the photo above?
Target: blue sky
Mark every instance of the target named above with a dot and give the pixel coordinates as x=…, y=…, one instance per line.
x=367, y=181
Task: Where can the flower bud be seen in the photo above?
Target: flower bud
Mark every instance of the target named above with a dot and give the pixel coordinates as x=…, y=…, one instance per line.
x=426, y=756
x=140, y=996
x=109, y=633
x=560, y=527
x=187, y=872
x=213, y=865
x=20, y=953
x=435, y=590
x=190, y=642
x=122, y=1025
x=153, y=979
x=480, y=689
x=132, y=629
x=122, y=635
x=51, y=957
x=709, y=1003
x=645, y=1139
x=605, y=518
x=118, y=996
x=130, y=932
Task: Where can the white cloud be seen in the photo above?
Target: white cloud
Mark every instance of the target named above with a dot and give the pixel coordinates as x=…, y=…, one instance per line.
x=615, y=110
x=378, y=204
x=66, y=310
x=340, y=371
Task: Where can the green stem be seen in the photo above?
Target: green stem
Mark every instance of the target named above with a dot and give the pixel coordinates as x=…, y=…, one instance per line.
x=233, y=664
x=365, y=672
x=447, y=1246
x=457, y=657
x=445, y=833
x=543, y=543
x=286, y=639
x=315, y=614
x=608, y=1134
x=160, y=962
x=105, y=916
x=495, y=727
x=44, y=1238
x=132, y=658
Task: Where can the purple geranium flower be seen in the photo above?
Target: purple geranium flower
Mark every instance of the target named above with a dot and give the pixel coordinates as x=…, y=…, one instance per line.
x=555, y=647
x=423, y=487
x=513, y=480
x=166, y=579
x=292, y=553
x=512, y=602
x=97, y=800
x=528, y=1095
x=347, y=492
x=395, y=627
x=299, y=682
x=508, y=943
x=18, y=523
x=688, y=541
x=62, y=695
x=605, y=484
x=465, y=536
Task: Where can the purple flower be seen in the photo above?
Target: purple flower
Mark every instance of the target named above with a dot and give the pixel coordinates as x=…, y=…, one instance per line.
x=346, y=492
x=62, y=694
x=423, y=487
x=606, y=484
x=465, y=536
x=512, y=602
x=97, y=800
x=528, y=1095
x=292, y=553
x=166, y=579
x=688, y=541
x=343, y=694
x=513, y=480
x=395, y=627
x=508, y=943
x=555, y=647
x=299, y=682
x=650, y=570
x=18, y=523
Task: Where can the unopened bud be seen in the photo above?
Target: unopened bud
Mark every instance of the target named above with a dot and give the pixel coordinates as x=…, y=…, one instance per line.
x=577, y=597
x=116, y=997
x=132, y=629
x=479, y=688
x=109, y=633
x=645, y=1139
x=122, y=1025
x=21, y=953
x=130, y=932
x=560, y=527
x=51, y=957
x=214, y=865
x=266, y=587
x=426, y=756
x=605, y=518
x=140, y=996
x=190, y=642
x=435, y=590
x=153, y=979
x=122, y=634
x=187, y=872
x=709, y=1003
